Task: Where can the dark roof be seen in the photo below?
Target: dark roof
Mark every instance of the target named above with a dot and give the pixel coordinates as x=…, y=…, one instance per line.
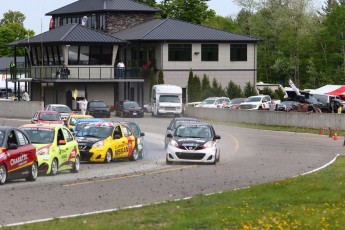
x=92, y=6
x=70, y=34
x=177, y=30
x=5, y=61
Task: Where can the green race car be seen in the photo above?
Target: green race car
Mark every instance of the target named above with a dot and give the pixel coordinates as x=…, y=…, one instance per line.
x=57, y=150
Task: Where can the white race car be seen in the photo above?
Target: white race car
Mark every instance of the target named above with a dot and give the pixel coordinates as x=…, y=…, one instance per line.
x=193, y=142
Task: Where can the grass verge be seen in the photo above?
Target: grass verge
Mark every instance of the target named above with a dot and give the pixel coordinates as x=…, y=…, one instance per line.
x=314, y=201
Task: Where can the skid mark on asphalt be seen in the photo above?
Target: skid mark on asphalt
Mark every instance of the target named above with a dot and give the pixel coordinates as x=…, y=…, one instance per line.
x=130, y=176
x=237, y=143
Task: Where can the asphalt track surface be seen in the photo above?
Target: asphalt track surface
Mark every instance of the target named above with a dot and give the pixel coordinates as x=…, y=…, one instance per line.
x=248, y=157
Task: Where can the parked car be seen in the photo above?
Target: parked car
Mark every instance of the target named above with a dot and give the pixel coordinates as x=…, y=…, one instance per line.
x=129, y=109
x=260, y=102
x=173, y=125
x=64, y=110
x=318, y=104
x=105, y=141
x=47, y=117
x=286, y=105
x=57, y=150
x=193, y=142
x=214, y=102
x=97, y=108
x=139, y=135
x=18, y=159
x=72, y=120
x=234, y=103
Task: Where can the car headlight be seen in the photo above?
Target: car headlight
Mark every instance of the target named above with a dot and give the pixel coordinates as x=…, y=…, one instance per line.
x=173, y=143
x=208, y=144
x=98, y=144
x=43, y=151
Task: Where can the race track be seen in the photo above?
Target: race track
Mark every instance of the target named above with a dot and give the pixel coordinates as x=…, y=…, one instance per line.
x=248, y=157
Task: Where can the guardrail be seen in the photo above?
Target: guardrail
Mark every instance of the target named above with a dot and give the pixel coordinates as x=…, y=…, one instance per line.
x=294, y=119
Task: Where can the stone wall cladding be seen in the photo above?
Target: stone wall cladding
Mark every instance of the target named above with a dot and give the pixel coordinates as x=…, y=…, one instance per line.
x=118, y=22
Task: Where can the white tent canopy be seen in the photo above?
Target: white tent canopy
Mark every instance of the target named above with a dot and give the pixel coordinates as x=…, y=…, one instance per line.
x=334, y=90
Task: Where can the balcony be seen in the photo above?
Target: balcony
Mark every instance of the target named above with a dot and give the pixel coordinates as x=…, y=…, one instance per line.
x=87, y=73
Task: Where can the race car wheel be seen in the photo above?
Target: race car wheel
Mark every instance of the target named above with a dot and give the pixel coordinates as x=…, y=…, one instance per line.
x=218, y=158
x=108, y=156
x=141, y=155
x=54, y=167
x=135, y=155
x=76, y=165
x=3, y=174
x=167, y=161
x=215, y=160
x=33, y=172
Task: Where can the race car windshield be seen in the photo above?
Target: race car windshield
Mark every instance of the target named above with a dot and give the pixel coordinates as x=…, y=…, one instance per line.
x=38, y=136
x=95, y=131
x=193, y=131
x=49, y=117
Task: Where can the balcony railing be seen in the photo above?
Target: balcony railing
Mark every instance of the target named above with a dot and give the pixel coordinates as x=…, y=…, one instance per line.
x=82, y=73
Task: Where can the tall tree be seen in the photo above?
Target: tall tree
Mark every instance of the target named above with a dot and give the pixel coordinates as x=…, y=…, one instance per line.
x=160, y=77
x=12, y=17
x=187, y=10
x=332, y=39
x=12, y=29
x=249, y=90
x=205, y=87
x=153, y=80
x=233, y=90
x=148, y=2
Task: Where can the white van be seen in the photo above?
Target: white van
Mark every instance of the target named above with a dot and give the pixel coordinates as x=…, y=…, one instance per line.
x=166, y=100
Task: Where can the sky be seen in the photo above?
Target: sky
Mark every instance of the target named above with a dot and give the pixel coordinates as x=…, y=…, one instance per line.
x=35, y=10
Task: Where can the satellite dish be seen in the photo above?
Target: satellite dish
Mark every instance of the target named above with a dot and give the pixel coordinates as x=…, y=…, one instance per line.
x=84, y=20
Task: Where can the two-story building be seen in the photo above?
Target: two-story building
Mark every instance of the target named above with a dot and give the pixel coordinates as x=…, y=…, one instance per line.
x=92, y=36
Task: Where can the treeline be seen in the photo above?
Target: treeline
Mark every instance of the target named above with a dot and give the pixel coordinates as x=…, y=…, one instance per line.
x=201, y=88
x=299, y=42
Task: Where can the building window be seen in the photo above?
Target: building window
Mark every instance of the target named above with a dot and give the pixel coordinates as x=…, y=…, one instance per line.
x=84, y=55
x=238, y=52
x=90, y=55
x=209, y=52
x=73, y=55
x=180, y=52
x=106, y=55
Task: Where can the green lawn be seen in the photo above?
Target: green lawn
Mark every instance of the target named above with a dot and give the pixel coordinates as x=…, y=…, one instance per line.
x=314, y=201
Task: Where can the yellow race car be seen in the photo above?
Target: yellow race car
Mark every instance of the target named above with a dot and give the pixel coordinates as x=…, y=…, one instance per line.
x=73, y=118
x=105, y=141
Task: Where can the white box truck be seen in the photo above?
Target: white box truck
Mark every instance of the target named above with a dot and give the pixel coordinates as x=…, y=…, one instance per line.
x=166, y=100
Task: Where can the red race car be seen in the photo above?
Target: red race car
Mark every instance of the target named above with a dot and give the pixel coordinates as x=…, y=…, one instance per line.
x=47, y=117
x=18, y=158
